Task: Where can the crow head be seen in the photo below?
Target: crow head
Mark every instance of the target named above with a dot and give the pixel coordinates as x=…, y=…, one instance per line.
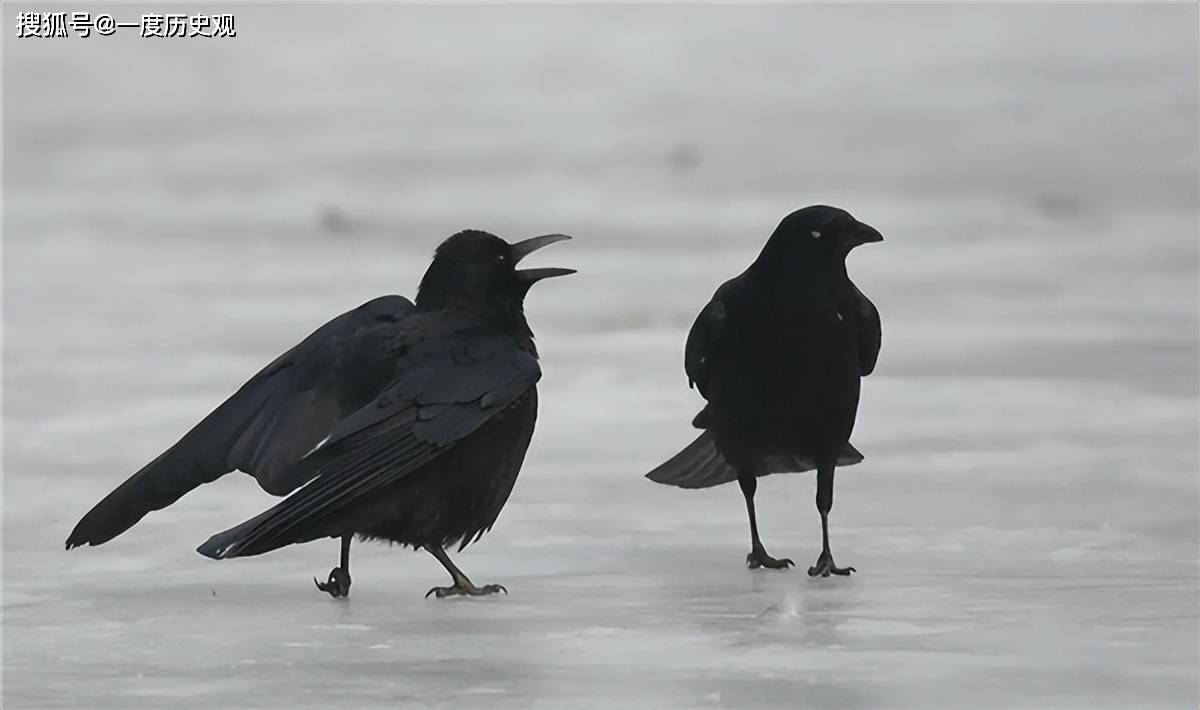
x=817, y=233
x=477, y=271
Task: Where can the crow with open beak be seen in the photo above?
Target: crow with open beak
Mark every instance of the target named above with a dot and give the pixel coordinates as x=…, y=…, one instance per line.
x=396, y=421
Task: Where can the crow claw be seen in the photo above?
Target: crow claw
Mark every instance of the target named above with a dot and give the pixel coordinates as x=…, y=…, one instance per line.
x=338, y=584
x=759, y=558
x=825, y=567
x=469, y=590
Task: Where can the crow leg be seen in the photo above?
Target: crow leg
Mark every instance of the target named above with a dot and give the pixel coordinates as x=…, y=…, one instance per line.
x=758, y=556
x=825, y=566
x=338, y=584
x=462, y=586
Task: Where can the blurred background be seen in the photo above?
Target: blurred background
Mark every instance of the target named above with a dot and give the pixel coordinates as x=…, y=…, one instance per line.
x=180, y=211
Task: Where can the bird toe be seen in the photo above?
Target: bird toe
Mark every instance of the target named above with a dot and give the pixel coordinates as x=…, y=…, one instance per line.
x=825, y=567
x=759, y=558
x=338, y=584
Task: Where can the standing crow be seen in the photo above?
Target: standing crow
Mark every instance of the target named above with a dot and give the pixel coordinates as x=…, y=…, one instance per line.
x=395, y=421
x=778, y=353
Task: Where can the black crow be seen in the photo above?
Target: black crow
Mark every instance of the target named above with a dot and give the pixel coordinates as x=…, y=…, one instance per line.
x=778, y=353
x=396, y=421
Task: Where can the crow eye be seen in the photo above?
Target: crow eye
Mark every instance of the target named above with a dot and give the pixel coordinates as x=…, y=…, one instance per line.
x=501, y=258
x=815, y=234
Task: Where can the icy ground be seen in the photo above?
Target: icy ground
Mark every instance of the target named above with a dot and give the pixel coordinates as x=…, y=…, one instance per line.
x=1025, y=525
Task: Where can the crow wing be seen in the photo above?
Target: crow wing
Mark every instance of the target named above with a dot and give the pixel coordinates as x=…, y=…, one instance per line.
x=703, y=346
x=450, y=381
x=309, y=389
x=869, y=331
x=269, y=423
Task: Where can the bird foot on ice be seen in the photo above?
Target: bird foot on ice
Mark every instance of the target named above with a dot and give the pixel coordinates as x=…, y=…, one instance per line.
x=758, y=557
x=338, y=585
x=467, y=590
x=825, y=567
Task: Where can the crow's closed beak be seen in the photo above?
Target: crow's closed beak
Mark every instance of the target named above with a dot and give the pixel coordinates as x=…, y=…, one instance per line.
x=868, y=234
x=524, y=248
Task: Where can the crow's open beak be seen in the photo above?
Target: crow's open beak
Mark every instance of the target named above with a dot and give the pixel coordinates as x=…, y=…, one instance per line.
x=524, y=248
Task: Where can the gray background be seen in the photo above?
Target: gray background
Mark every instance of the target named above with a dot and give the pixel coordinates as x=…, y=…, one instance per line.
x=1025, y=525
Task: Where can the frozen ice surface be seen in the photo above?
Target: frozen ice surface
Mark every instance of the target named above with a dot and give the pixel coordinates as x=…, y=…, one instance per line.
x=1025, y=524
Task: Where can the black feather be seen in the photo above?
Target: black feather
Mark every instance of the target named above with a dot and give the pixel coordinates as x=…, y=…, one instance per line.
x=266, y=426
x=701, y=465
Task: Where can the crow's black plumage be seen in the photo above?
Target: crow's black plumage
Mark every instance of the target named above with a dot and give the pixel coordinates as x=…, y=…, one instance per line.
x=778, y=353
x=397, y=421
